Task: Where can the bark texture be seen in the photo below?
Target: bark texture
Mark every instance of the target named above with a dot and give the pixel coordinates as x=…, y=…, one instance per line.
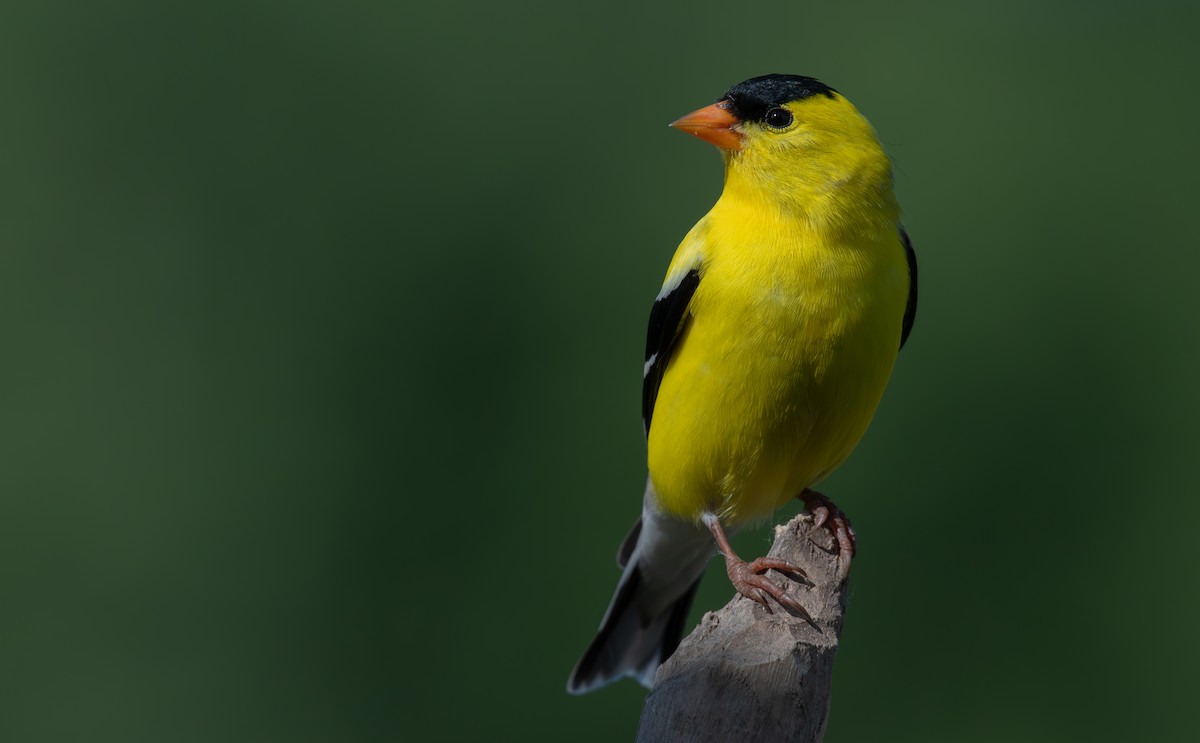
x=746, y=675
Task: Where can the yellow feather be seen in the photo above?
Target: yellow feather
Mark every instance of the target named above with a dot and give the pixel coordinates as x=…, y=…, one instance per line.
x=793, y=330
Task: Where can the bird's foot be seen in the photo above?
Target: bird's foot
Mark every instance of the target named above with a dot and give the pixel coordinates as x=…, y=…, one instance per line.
x=826, y=513
x=748, y=578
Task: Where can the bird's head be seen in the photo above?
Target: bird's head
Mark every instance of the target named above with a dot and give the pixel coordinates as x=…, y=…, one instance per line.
x=793, y=137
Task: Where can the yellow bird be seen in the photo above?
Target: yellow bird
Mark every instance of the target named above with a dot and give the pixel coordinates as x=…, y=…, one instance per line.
x=768, y=350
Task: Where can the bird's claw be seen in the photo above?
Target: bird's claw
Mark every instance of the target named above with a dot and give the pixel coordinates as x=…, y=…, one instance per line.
x=749, y=580
x=826, y=513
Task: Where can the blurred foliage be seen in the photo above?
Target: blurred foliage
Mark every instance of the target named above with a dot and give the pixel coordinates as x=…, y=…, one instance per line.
x=323, y=329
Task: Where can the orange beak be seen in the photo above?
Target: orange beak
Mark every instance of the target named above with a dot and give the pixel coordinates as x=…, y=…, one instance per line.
x=713, y=124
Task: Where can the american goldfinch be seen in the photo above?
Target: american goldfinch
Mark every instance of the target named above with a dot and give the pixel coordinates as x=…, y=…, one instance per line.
x=768, y=350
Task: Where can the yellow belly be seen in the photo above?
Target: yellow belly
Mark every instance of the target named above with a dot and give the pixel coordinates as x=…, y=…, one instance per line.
x=776, y=377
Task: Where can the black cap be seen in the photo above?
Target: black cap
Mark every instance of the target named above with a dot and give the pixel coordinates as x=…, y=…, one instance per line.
x=753, y=98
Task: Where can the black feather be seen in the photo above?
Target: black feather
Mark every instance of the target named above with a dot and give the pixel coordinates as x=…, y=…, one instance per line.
x=910, y=309
x=602, y=662
x=666, y=324
x=752, y=99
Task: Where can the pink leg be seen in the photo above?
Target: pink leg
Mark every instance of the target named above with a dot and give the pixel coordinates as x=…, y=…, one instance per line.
x=827, y=514
x=748, y=578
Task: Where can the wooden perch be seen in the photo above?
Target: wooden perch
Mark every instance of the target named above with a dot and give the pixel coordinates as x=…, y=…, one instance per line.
x=746, y=675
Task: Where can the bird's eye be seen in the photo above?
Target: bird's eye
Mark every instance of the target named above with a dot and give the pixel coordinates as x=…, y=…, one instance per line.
x=778, y=118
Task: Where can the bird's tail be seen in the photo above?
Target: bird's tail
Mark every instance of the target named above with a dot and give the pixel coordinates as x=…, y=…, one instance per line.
x=663, y=561
x=629, y=644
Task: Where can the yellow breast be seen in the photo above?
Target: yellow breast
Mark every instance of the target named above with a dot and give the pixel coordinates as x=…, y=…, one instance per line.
x=792, y=335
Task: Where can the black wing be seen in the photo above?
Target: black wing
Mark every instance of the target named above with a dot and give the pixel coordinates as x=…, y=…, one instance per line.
x=666, y=323
x=910, y=310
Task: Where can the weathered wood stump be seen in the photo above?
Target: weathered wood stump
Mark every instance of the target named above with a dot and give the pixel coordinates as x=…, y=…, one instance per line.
x=749, y=676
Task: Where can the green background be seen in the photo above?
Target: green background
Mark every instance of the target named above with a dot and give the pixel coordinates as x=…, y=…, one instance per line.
x=322, y=328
